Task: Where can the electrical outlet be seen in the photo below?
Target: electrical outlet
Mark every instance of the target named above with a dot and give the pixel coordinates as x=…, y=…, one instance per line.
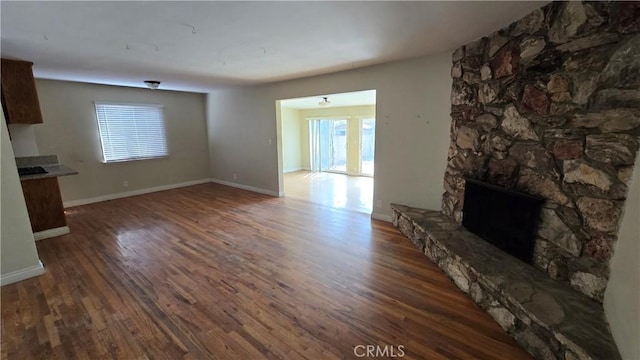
x=125, y=183
x=235, y=176
x=270, y=141
x=378, y=204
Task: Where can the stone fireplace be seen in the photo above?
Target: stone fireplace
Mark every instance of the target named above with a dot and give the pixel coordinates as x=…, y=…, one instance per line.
x=549, y=106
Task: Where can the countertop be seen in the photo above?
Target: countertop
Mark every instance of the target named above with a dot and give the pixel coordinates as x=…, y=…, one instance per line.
x=48, y=162
x=53, y=170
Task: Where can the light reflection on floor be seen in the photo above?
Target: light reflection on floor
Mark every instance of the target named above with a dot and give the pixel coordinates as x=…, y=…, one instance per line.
x=330, y=189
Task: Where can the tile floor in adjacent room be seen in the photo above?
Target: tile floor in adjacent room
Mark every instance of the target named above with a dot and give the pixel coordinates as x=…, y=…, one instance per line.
x=331, y=189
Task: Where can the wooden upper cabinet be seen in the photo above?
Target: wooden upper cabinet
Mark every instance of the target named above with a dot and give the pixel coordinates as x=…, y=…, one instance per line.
x=19, y=94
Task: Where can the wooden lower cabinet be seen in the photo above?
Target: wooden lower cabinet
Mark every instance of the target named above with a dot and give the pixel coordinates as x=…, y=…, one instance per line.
x=44, y=203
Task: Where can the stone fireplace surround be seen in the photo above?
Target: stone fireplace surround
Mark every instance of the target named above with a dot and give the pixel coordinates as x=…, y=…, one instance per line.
x=550, y=106
x=546, y=317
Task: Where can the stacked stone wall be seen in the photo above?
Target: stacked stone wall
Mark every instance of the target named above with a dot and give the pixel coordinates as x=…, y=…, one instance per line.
x=550, y=106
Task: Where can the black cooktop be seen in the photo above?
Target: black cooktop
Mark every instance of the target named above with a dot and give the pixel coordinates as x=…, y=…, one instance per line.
x=31, y=170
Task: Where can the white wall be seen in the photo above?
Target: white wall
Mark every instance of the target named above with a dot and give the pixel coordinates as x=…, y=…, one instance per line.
x=412, y=135
x=622, y=298
x=70, y=130
x=291, y=140
x=18, y=254
x=23, y=140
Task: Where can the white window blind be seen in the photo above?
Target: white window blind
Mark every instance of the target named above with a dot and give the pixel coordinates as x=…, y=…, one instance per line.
x=131, y=131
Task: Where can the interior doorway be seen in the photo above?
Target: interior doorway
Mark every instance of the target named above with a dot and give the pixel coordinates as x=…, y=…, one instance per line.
x=326, y=148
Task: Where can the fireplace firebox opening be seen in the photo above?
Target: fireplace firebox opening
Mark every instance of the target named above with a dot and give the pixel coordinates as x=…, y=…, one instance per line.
x=507, y=219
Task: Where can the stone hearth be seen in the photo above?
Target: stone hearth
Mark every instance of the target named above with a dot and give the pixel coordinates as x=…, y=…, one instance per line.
x=550, y=106
x=546, y=317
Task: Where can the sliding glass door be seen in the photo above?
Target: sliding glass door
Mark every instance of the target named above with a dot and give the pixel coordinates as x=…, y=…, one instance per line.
x=367, y=145
x=328, y=145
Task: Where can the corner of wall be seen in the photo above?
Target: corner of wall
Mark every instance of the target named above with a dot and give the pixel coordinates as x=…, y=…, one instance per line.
x=622, y=297
x=19, y=256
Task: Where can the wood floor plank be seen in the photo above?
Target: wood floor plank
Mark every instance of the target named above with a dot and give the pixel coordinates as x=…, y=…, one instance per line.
x=212, y=272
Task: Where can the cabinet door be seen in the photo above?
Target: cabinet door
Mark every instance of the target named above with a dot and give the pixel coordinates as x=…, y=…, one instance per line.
x=44, y=203
x=19, y=94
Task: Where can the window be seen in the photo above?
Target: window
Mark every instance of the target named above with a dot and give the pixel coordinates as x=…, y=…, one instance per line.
x=131, y=131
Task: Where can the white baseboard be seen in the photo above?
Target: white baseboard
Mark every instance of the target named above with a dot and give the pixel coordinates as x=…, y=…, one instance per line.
x=22, y=274
x=96, y=199
x=248, y=188
x=383, y=217
x=292, y=170
x=49, y=233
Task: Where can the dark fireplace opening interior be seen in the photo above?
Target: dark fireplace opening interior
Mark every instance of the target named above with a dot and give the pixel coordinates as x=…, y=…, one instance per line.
x=505, y=218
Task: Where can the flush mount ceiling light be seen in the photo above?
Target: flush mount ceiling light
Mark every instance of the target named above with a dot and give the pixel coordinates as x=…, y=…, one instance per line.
x=324, y=102
x=152, y=84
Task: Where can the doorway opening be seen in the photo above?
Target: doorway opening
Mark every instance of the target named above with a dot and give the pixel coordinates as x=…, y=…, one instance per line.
x=326, y=149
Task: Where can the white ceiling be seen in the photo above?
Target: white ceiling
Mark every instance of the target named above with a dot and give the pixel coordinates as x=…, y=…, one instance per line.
x=367, y=97
x=124, y=43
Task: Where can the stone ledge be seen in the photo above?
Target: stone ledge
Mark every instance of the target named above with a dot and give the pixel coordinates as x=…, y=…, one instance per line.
x=547, y=318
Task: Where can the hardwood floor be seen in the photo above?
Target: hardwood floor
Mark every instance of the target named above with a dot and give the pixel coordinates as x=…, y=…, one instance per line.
x=212, y=272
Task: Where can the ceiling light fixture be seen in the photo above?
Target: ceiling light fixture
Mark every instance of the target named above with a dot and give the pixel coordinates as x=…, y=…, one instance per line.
x=152, y=84
x=324, y=102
